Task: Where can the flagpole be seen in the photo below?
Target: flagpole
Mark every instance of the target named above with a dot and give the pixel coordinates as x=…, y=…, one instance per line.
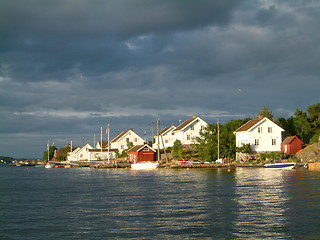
x=218, y=126
x=101, y=138
x=108, y=144
x=48, y=150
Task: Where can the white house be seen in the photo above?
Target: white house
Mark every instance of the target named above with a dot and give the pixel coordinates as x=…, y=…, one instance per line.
x=88, y=153
x=185, y=132
x=262, y=134
x=189, y=130
x=165, y=137
x=80, y=154
x=121, y=141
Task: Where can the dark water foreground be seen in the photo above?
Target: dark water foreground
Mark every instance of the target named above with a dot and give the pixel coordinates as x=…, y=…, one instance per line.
x=247, y=203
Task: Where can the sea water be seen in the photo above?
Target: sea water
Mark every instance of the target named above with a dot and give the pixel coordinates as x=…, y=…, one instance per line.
x=80, y=203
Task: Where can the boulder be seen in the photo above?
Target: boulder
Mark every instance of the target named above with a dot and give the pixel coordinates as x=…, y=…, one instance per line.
x=309, y=153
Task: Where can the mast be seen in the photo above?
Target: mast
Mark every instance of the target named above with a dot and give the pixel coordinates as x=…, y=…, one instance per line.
x=158, y=129
x=101, y=139
x=108, y=144
x=218, y=130
x=48, y=149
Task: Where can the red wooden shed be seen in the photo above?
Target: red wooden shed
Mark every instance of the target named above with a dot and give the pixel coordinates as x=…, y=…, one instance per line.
x=291, y=145
x=141, y=153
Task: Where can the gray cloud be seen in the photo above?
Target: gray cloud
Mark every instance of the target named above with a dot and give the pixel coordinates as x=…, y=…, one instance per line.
x=69, y=67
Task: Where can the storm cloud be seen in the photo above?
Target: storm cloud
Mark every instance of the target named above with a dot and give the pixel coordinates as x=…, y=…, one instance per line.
x=69, y=67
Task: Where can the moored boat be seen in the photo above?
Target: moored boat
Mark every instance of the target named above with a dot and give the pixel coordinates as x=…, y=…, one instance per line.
x=280, y=165
x=144, y=165
x=49, y=165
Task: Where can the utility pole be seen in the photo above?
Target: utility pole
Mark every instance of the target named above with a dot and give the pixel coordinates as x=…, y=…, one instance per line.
x=158, y=129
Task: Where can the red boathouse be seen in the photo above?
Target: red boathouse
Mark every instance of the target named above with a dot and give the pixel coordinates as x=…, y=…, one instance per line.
x=141, y=153
x=291, y=145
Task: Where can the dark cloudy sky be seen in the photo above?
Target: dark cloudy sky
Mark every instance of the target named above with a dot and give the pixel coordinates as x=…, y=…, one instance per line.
x=68, y=67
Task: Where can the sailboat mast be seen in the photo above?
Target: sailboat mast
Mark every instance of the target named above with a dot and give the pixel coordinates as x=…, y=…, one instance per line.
x=108, y=129
x=158, y=128
x=218, y=128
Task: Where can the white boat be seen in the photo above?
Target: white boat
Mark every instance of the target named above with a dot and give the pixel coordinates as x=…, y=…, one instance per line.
x=49, y=165
x=144, y=165
x=280, y=165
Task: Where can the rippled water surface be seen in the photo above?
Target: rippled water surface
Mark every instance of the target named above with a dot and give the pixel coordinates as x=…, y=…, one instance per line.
x=247, y=203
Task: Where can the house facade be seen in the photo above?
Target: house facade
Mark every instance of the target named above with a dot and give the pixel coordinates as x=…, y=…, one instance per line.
x=165, y=138
x=291, y=145
x=189, y=130
x=261, y=134
x=141, y=153
x=185, y=133
x=88, y=153
x=80, y=153
x=121, y=141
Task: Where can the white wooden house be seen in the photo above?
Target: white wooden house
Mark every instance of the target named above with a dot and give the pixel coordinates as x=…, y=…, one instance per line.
x=80, y=153
x=121, y=141
x=165, y=137
x=189, y=130
x=185, y=133
x=262, y=134
x=88, y=153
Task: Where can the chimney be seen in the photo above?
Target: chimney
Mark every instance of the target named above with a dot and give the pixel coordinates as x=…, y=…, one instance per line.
x=194, y=116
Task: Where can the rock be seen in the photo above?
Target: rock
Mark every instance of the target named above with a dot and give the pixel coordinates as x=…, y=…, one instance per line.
x=309, y=153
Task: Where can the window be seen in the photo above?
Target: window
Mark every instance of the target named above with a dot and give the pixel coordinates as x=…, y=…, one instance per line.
x=136, y=139
x=166, y=141
x=274, y=142
x=269, y=129
x=259, y=129
x=256, y=142
x=188, y=137
x=192, y=127
x=122, y=146
x=127, y=140
x=145, y=149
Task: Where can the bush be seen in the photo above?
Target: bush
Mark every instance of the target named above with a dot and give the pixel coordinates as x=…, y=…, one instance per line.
x=271, y=155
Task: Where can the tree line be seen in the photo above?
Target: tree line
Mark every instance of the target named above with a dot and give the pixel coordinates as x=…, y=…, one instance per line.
x=304, y=124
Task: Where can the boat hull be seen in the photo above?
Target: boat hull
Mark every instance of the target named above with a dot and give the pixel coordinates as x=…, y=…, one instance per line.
x=144, y=166
x=280, y=165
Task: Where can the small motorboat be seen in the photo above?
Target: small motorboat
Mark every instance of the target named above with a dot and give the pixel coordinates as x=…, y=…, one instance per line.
x=144, y=165
x=49, y=165
x=280, y=165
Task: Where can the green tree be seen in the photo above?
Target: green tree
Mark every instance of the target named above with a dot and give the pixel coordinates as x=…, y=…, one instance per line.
x=265, y=112
x=52, y=149
x=207, y=143
x=245, y=149
x=177, y=150
x=314, y=115
x=288, y=126
x=63, y=153
x=302, y=125
x=124, y=153
x=228, y=139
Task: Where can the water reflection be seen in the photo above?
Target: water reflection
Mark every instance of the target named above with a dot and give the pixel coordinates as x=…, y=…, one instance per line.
x=246, y=203
x=261, y=198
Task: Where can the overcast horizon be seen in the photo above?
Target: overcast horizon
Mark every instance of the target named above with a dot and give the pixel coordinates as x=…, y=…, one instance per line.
x=69, y=67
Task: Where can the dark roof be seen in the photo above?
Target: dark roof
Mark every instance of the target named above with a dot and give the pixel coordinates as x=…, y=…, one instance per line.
x=138, y=147
x=165, y=130
x=121, y=135
x=103, y=150
x=249, y=124
x=290, y=139
x=185, y=123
